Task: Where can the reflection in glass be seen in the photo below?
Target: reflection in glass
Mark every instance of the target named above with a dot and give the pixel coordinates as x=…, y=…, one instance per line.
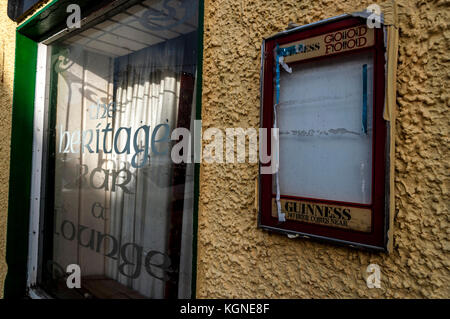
x=122, y=208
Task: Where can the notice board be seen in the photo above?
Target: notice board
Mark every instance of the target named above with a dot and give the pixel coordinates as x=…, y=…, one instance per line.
x=323, y=90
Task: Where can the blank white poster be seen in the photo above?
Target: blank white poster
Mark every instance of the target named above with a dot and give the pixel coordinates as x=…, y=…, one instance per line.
x=325, y=149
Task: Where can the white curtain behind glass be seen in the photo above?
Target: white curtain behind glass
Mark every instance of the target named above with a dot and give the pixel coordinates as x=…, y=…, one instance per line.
x=147, y=93
x=83, y=79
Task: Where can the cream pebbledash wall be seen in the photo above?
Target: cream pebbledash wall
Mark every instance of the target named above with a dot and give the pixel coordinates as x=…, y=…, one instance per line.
x=237, y=260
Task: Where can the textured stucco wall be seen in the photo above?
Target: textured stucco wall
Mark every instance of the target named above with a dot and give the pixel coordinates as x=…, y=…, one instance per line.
x=7, y=47
x=237, y=260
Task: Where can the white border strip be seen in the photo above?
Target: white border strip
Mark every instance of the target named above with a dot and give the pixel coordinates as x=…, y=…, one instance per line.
x=38, y=130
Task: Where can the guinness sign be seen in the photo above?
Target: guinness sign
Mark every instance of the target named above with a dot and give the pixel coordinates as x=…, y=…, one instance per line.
x=345, y=217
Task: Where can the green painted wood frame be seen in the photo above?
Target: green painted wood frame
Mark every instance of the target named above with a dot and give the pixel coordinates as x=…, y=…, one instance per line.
x=28, y=35
x=20, y=167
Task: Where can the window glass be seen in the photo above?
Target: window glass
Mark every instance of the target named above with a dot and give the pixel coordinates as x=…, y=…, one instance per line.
x=120, y=208
x=16, y=8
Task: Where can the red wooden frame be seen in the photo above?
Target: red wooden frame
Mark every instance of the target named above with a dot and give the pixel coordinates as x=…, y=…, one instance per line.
x=376, y=238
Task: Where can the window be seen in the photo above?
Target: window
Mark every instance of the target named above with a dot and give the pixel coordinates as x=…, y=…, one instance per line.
x=115, y=203
x=18, y=8
x=323, y=89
